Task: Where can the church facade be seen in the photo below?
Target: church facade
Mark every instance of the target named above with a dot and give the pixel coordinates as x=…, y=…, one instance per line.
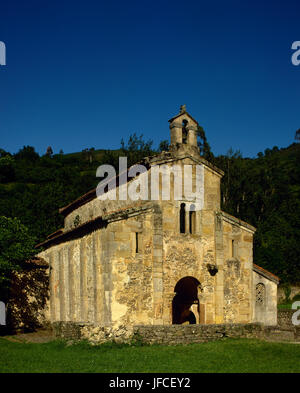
x=158, y=261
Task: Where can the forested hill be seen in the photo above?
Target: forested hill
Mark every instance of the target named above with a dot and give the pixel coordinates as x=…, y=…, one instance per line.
x=264, y=191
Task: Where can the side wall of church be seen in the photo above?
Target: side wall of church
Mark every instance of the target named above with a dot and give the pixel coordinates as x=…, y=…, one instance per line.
x=103, y=278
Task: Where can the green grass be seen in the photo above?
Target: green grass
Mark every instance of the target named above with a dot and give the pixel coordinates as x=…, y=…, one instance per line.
x=231, y=355
x=285, y=306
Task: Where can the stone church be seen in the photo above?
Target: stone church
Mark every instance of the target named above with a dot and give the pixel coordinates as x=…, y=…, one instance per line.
x=158, y=262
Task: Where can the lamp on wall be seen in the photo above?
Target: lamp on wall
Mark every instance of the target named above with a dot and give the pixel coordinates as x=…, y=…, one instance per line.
x=213, y=270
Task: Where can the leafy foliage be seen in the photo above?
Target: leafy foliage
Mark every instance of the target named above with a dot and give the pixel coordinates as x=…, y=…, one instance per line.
x=136, y=149
x=203, y=145
x=7, y=169
x=27, y=153
x=163, y=146
x=266, y=193
x=16, y=246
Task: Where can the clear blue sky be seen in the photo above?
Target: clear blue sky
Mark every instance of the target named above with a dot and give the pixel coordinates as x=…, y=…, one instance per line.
x=87, y=73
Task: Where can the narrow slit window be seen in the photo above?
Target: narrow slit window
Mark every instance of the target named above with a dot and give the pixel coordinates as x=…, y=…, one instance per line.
x=182, y=218
x=233, y=252
x=136, y=242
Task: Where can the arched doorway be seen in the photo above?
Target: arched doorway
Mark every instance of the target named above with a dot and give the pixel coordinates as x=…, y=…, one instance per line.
x=185, y=304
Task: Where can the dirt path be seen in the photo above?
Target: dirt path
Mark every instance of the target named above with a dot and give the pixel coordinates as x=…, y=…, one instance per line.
x=40, y=336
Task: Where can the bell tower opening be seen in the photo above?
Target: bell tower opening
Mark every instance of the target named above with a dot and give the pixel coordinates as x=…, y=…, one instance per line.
x=184, y=132
x=183, y=129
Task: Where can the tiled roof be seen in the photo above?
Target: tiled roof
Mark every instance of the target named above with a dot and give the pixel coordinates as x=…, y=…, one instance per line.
x=53, y=234
x=36, y=262
x=266, y=273
x=88, y=226
x=90, y=195
x=74, y=233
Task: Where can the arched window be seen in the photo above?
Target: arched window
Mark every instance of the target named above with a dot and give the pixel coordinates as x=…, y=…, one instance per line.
x=260, y=294
x=182, y=218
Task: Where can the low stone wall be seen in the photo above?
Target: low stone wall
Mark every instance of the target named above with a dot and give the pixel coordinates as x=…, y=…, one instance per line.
x=94, y=333
x=186, y=334
x=284, y=319
x=68, y=330
x=157, y=334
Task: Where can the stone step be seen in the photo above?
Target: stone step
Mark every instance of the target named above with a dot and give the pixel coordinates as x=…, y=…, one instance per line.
x=281, y=335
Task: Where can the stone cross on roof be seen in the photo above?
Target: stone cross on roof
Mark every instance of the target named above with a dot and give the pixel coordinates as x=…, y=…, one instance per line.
x=182, y=108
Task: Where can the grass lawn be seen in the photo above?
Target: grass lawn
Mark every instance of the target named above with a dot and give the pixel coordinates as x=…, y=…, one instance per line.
x=231, y=355
x=285, y=306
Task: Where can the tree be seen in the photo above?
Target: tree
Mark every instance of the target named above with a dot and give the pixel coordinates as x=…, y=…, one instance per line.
x=84, y=154
x=88, y=154
x=136, y=148
x=27, y=153
x=49, y=151
x=163, y=146
x=297, y=135
x=91, y=154
x=205, y=150
x=7, y=169
x=4, y=153
x=16, y=246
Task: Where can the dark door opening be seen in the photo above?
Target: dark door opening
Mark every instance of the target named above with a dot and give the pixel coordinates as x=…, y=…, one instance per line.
x=186, y=296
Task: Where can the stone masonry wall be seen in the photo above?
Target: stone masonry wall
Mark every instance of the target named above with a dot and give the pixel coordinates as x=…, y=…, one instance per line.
x=189, y=254
x=238, y=262
x=158, y=334
x=101, y=278
x=187, y=334
x=284, y=319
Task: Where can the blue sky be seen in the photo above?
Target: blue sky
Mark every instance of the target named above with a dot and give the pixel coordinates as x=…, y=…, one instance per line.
x=87, y=73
